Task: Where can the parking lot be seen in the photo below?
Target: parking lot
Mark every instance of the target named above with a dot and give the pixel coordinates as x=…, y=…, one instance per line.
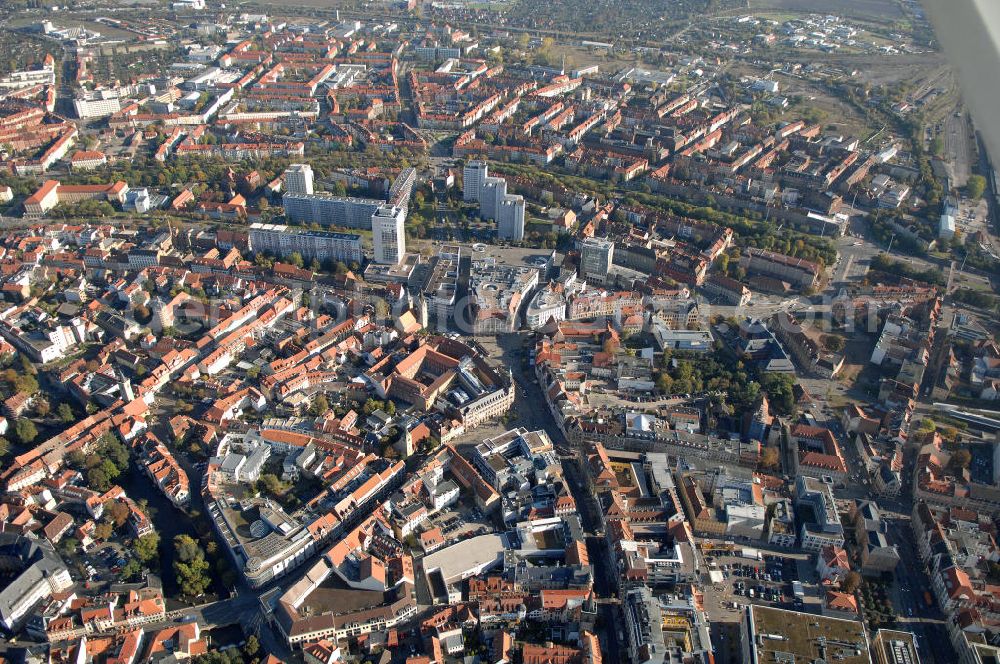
x=458, y=523
x=100, y=564
x=766, y=582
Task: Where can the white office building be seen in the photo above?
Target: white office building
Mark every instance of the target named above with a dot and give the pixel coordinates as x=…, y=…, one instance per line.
x=826, y=528
x=510, y=220
x=441, y=290
x=596, y=256
x=299, y=179
x=97, y=104
x=388, y=235
x=473, y=175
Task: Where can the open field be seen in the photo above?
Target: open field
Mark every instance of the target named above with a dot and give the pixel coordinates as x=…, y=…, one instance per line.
x=833, y=111
x=580, y=56
x=895, y=69
x=886, y=10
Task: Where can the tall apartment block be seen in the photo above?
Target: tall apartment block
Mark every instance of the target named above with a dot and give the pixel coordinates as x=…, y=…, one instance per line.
x=473, y=175
x=510, y=219
x=491, y=194
x=329, y=210
x=281, y=240
x=388, y=234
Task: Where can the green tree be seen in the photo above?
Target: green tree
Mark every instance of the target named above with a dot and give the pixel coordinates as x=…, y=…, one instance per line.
x=27, y=367
x=231, y=656
x=186, y=548
x=65, y=413
x=110, y=470
x=832, y=343
x=780, y=392
x=114, y=452
x=76, y=460
x=42, y=407
x=190, y=566
x=25, y=431
x=192, y=577
x=851, y=582
x=271, y=485
x=4, y=446
x=319, y=405
x=117, y=513
x=770, y=457
x=146, y=548
x=975, y=187
x=68, y=546
x=98, y=480
x=132, y=570
x=103, y=531
x=976, y=298
x=295, y=258
x=251, y=647
x=960, y=459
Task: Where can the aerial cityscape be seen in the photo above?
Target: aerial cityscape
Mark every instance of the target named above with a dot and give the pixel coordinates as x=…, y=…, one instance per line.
x=495, y=332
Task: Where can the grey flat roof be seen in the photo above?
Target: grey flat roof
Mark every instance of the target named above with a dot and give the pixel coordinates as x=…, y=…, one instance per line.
x=471, y=554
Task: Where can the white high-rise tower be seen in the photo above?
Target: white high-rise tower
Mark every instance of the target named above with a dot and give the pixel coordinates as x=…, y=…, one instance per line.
x=299, y=179
x=491, y=194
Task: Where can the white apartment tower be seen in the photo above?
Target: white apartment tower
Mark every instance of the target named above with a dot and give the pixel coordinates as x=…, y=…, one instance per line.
x=473, y=175
x=299, y=179
x=388, y=235
x=491, y=195
x=510, y=219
